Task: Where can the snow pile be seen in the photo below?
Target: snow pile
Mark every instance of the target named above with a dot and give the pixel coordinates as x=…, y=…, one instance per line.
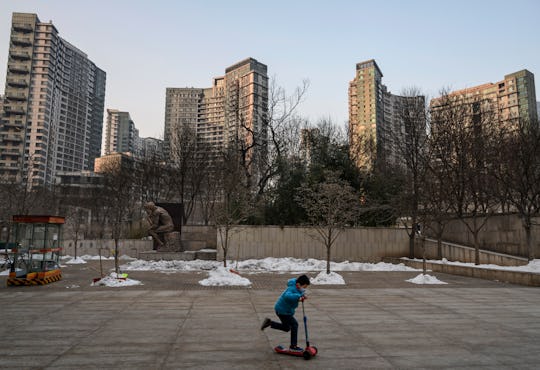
x=425, y=279
x=332, y=278
x=223, y=276
x=88, y=257
x=76, y=261
x=533, y=266
x=114, y=281
x=269, y=264
x=171, y=266
x=6, y=271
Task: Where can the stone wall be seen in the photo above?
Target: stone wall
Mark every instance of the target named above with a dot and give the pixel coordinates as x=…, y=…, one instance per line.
x=358, y=244
x=513, y=277
x=454, y=252
x=129, y=247
x=502, y=233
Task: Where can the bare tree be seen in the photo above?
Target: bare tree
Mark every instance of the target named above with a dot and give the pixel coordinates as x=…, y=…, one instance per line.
x=465, y=124
x=409, y=140
x=232, y=206
x=76, y=220
x=517, y=169
x=331, y=205
x=284, y=126
x=119, y=191
x=189, y=162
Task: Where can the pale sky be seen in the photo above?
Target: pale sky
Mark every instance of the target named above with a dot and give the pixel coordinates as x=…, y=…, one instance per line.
x=147, y=46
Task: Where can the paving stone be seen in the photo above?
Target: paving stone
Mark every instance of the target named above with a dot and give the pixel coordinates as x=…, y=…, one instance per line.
x=376, y=321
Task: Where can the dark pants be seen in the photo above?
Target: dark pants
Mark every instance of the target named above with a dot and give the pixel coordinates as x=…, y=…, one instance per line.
x=288, y=322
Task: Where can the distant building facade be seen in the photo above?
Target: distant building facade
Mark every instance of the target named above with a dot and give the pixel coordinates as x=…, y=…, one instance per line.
x=121, y=135
x=114, y=162
x=216, y=115
x=510, y=99
x=52, y=118
x=151, y=148
x=365, y=112
x=376, y=126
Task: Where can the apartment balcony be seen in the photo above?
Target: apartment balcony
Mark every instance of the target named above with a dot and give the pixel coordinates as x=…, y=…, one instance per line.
x=11, y=124
x=20, y=55
x=10, y=150
x=21, y=41
x=18, y=68
x=19, y=96
x=12, y=138
x=23, y=27
x=9, y=109
x=17, y=82
x=7, y=169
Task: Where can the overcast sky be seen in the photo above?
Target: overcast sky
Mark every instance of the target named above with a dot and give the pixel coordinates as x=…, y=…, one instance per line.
x=147, y=46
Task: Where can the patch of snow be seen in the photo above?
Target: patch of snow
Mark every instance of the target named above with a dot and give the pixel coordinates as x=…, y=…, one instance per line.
x=113, y=281
x=333, y=278
x=425, y=279
x=6, y=272
x=223, y=276
x=76, y=261
x=171, y=266
x=532, y=266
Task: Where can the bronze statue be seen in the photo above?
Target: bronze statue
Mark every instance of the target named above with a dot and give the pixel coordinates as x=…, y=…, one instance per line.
x=160, y=223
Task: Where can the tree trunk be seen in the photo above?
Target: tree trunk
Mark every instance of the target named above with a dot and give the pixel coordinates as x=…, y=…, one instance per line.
x=116, y=269
x=328, y=259
x=225, y=246
x=476, y=248
x=411, y=245
x=328, y=247
x=528, y=238
x=439, y=248
x=424, y=265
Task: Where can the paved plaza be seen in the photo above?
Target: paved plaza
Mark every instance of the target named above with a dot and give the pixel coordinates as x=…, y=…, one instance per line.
x=377, y=321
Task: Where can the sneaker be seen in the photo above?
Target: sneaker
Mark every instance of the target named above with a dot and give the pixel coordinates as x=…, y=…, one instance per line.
x=266, y=323
x=296, y=349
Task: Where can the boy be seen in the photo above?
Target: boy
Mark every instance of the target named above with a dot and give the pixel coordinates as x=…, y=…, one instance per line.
x=285, y=307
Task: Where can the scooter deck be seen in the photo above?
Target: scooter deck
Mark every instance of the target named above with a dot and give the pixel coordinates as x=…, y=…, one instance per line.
x=286, y=351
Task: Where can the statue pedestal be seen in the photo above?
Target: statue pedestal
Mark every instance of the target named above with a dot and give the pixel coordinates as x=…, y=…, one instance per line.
x=173, y=243
x=204, y=254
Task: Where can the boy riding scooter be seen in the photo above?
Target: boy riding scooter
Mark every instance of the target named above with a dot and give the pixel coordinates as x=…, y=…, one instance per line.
x=285, y=308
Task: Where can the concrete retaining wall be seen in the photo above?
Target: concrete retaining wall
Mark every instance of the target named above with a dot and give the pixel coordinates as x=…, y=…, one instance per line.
x=502, y=233
x=129, y=247
x=359, y=244
x=513, y=277
x=454, y=252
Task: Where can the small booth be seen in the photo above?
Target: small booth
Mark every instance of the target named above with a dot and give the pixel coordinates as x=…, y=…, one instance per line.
x=35, y=258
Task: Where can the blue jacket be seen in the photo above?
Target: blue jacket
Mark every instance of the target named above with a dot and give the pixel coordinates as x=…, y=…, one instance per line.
x=288, y=301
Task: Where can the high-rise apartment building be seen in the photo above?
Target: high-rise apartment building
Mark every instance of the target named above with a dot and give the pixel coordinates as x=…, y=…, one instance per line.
x=376, y=126
x=365, y=112
x=52, y=118
x=151, y=148
x=121, y=136
x=507, y=100
x=403, y=127
x=217, y=115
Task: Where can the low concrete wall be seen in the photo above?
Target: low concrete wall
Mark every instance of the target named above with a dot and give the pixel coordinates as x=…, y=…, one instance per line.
x=513, y=277
x=129, y=247
x=502, y=233
x=203, y=234
x=358, y=244
x=455, y=252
